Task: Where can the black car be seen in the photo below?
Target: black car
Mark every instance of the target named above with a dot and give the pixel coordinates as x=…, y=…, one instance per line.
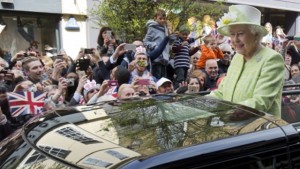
x=165, y=131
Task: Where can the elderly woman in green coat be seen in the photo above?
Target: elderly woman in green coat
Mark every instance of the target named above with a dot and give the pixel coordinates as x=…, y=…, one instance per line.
x=255, y=76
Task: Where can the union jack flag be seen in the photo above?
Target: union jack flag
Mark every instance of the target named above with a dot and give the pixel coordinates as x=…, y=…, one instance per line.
x=22, y=103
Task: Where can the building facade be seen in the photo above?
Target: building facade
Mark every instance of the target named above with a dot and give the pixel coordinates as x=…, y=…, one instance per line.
x=57, y=23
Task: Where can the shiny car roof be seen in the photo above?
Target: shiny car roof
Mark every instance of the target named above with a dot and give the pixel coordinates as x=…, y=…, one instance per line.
x=110, y=134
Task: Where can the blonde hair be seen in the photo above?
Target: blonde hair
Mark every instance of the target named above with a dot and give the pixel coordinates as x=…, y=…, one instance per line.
x=48, y=62
x=123, y=87
x=197, y=73
x=207, y=39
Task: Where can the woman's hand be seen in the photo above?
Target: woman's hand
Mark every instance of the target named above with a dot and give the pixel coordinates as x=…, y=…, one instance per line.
x=103, y=88
x=81, y=83
x=18, y=56
x=183, y=83
x=120, y=50
x=62, y=85
x=132, y=66
x=106, y=41
x=113, y=41
x=58, y=65
x=39, y=87
x=80, y=55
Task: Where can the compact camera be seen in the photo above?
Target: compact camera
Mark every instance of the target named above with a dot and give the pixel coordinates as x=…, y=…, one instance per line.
x=70, y=81
x=32, y=88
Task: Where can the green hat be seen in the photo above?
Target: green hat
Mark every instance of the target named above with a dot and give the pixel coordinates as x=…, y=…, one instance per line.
x=184, y=28
x=240, y=15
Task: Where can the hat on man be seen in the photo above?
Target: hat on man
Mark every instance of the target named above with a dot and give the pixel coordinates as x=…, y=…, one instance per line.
x=161, y=81
x=240, y=15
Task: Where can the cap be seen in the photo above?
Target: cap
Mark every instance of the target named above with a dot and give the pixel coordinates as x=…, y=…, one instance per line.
x=161, y=81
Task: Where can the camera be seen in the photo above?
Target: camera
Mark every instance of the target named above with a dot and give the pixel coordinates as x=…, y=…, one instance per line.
x=32, y=88
x=70, y=81
x=112, y=83
x=88, y=51
x=83, y=64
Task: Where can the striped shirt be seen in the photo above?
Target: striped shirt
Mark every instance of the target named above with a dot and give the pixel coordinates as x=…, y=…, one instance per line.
x=181, y=53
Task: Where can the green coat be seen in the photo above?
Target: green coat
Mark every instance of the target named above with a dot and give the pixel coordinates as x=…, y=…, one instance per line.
x=256, y=83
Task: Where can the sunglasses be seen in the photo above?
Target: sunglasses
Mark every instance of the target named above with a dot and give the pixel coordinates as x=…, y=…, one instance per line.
x=93, y=90
x=226, y=52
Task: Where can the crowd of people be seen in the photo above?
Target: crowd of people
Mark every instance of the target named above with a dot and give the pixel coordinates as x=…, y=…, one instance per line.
x=160, y=62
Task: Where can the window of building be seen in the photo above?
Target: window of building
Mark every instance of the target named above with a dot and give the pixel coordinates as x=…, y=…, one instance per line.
x=96, y=162
x=35, y=157
x=75, y=135
x=57, y=152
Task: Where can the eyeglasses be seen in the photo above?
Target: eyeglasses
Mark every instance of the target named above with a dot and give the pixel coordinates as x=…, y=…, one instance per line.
x=226, y=52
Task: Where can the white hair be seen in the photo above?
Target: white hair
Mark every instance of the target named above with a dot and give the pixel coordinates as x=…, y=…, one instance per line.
x=256, y=30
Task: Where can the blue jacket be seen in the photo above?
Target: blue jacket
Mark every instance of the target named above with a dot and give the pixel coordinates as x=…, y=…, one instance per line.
x=155, y=35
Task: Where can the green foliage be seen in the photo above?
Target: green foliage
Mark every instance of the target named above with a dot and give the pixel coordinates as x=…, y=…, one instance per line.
x=128, y=18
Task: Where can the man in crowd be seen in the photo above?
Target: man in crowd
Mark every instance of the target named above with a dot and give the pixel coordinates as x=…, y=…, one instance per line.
x=212, y=75
x=33, y=68
x=164, y=86
x=224, y=63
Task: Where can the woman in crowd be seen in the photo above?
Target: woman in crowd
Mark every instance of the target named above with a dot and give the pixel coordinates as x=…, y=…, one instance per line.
x=126, y=91
x=200, y=75
x=295, y=70
x=194, y=85
x=279, y=37
x=107, y=42
x=255, y=77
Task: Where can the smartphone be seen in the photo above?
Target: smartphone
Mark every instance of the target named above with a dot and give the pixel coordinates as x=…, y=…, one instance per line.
x=83, y=64
x=192, y=89
x=88, y=51
x=61, y=57
x=108, y=34
x=130, y=47
x=143, y=82
x=112, y=83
